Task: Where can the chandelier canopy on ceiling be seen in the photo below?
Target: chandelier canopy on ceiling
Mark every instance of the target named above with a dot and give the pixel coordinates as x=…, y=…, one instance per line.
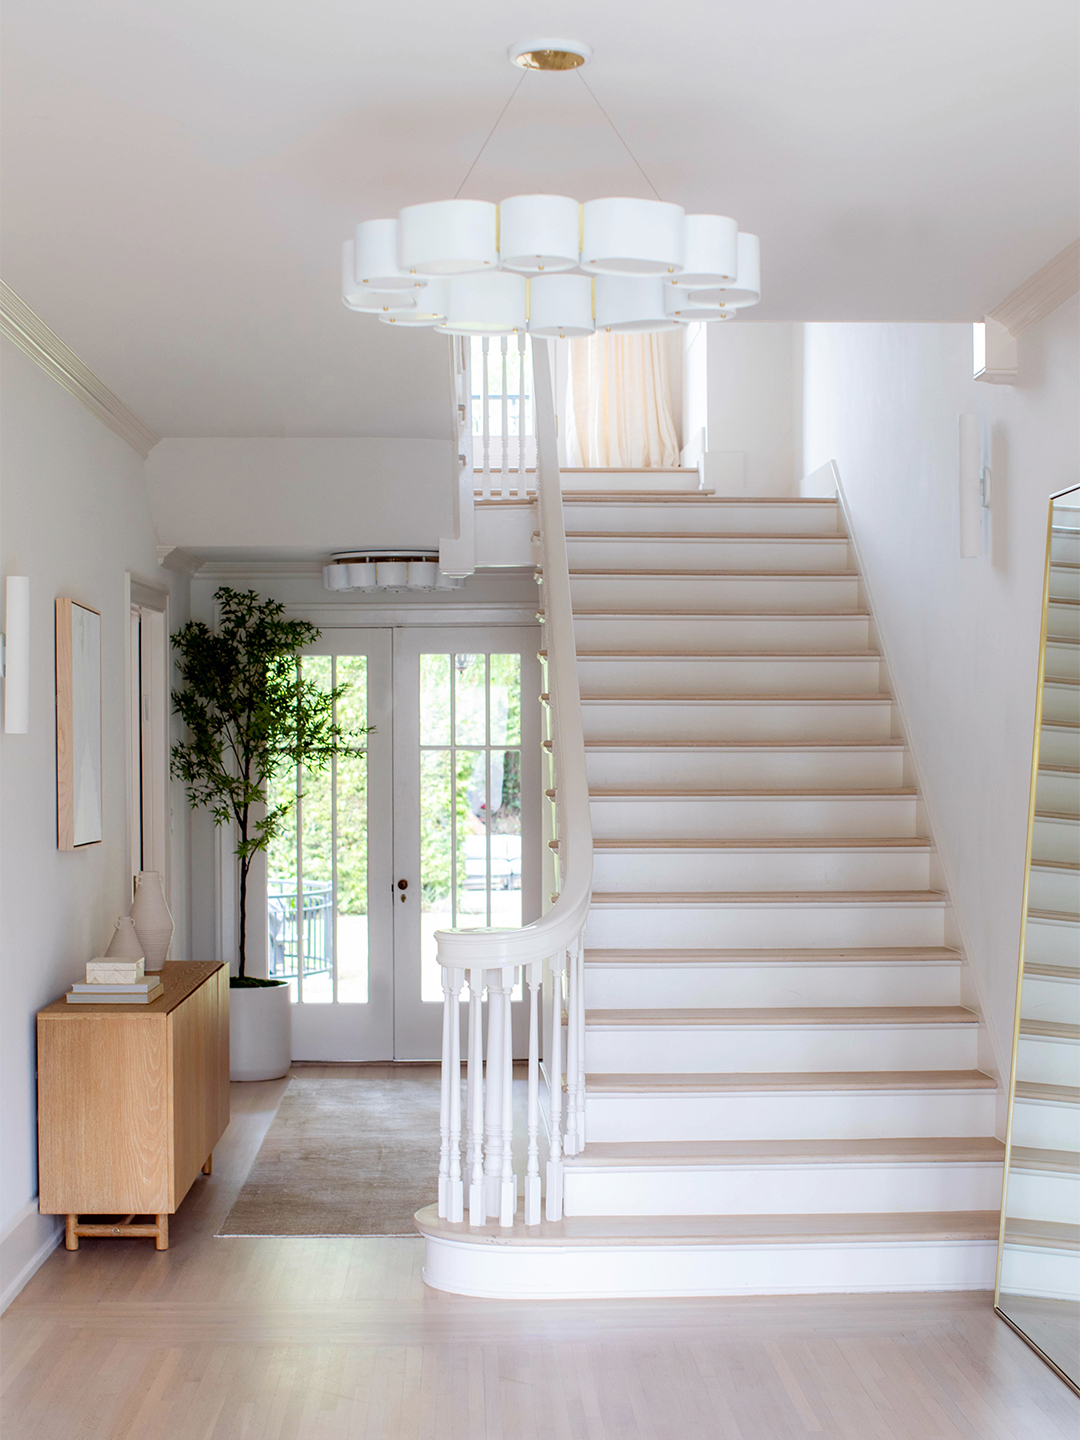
x=545, y=265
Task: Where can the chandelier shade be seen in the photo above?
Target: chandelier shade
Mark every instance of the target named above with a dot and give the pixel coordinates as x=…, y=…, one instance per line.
x=376, y=258
x=545, y=264
x=561, y=306
x=448, y=237
x=369, y=302
x=539, y=233
x=631, y=304
x=495, y=303
x=711, y=255
x=632, y=237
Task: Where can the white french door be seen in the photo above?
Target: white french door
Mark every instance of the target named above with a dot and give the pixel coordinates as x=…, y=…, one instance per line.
x=436, y=826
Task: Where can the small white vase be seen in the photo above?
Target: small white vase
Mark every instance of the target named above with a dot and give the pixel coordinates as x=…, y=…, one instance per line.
x=153, y=922
x=125, y=943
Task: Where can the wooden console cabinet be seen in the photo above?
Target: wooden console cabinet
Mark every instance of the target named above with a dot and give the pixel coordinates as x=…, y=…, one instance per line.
x=132, y=1100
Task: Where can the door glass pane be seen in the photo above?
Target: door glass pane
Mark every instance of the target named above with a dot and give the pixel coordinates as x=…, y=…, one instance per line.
x=470, y=841
x=281, y=886
x=317, y=864
x=350, y=791
x=434, y=699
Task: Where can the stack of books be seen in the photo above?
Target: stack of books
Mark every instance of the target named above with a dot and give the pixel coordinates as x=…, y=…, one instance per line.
x=116, y=982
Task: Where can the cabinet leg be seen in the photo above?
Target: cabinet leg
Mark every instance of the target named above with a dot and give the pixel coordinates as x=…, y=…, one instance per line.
x=162, y=1241
x=208, y=1168
x=71, y=1235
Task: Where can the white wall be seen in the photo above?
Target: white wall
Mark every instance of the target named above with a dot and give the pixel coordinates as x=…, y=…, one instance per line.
x=752, y=401
x=961, y=635
x=75, y=519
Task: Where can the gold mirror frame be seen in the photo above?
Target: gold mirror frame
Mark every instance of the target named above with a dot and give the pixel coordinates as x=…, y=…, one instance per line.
x=1073, y=1381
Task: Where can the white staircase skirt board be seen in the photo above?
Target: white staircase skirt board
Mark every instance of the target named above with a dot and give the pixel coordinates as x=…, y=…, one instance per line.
x=777, y=1114
x=818, y=1189
x=1051, y=997
x=703, y=675
x=1054, y=887
x=766, y=867
x=1045, y=1124
x=1056, y=837
x=748, y=981
x=859, y=718
x=1041, y=1195
x=1050, y=940
x=483, y=1264
x=708, y=553
x=745, y=766
x=658, y=1045
x=752, y=593
x=1048, y=1059
x=710, y=516
x=744, y=815
x=1044, y=1272
x=782, y=634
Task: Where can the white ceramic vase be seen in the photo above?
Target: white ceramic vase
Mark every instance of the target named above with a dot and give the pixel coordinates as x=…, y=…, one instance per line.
x=153, y=922
x=125, y=943
x=260, y=1032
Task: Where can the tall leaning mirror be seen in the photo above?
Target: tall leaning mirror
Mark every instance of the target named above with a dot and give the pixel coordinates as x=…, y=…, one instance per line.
x=1038, y=1277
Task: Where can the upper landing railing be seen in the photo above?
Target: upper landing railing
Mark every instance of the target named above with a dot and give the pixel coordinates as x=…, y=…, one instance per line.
x=477, y=1158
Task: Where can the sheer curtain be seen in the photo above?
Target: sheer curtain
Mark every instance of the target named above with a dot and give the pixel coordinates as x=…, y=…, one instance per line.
x=619, y=413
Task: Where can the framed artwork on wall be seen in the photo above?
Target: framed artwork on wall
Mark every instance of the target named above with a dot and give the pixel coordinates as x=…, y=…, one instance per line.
x=78, y=725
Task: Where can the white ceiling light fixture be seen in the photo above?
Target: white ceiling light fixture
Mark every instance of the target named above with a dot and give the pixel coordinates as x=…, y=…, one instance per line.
x=497, y=262
x=393, y=570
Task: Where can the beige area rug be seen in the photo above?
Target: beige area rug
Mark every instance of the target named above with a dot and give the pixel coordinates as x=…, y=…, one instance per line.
x=345, y=1157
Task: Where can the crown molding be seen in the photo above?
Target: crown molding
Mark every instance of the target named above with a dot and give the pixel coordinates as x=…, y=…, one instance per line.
x=171, y=557
x=1041, y=293
x=34, y=338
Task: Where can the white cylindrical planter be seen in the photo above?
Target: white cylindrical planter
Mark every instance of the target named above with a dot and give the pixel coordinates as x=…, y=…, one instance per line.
x=260, y=1032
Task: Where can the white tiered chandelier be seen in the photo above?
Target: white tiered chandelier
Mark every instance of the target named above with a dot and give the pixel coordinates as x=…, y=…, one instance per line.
x=546, y=265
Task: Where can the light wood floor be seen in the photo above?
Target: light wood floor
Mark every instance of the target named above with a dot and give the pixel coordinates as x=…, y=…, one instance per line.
x=251, y=1339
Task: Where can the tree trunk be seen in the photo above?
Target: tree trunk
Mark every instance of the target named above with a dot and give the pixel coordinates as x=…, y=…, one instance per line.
x=245, y=865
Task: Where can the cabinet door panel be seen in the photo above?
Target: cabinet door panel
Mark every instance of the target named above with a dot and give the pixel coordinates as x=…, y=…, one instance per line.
x=195, y=1028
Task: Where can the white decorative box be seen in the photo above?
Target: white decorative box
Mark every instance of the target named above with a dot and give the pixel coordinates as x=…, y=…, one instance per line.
x=108, y=971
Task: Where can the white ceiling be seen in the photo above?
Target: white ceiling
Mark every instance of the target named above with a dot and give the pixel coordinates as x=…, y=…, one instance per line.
x=178, y=177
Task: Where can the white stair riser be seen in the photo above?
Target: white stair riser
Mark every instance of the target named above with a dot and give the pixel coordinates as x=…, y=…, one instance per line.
x=714, y=632
x=749, y=1189
x=1058, y=792
x=1054, y=890
x=697, y=1050
x=616, y=927
x=708, y=553
x=667, y=515
x=748, y=768
x=1048, y=1061
x=806, y=1115
x=592, y=480
x=1059, y=747
x=1048, y=998
x=1062, y=661
x=1049, y=1274
x=1060, y=701
x=1064, y=584
x=1064, y=550
x=636, y=986
x=734, y=817
x=617, y=1271
x=1056, y=839
x=1044, y=1124
x=713, y=592
x=1052, y=1195
x=1051, y=942
x=722, y=720
x=761, y=870
x=711, y=675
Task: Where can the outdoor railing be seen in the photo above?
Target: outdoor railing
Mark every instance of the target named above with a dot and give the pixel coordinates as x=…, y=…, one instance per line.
x=476, y=1159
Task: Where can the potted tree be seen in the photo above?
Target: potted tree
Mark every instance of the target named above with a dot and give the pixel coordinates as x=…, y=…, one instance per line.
x=251, y=714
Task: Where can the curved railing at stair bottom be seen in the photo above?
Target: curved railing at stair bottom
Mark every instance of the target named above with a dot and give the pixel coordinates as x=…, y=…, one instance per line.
x=546, y=955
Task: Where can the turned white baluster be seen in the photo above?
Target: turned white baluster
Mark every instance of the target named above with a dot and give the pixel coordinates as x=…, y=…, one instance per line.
x=504, y=483
x=485, y=479
x=451, y=1199
x=474, y=1157
x=533, y=978
x=553, y=1059
x=493, y=1096
x=508, y=1186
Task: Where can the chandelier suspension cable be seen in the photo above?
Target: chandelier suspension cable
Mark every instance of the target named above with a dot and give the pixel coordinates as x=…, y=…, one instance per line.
x=490, y=133
x=618, y=134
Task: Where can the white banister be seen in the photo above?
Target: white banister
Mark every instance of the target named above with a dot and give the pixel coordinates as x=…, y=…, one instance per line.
x=540, y=954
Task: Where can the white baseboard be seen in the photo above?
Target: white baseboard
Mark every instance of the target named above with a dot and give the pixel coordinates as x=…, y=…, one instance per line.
x=27, y=1243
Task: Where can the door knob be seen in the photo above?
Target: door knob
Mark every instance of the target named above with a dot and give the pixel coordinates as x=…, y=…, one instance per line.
x=402, y=885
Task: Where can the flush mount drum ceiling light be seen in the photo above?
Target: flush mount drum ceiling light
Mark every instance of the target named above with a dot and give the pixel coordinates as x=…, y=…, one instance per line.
x=546, y=264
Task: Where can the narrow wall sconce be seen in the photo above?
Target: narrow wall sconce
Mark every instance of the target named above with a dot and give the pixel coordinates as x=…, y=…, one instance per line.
x=17, y=655
x=974, y=481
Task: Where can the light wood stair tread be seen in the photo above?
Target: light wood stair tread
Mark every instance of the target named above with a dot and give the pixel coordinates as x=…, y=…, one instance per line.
x=1061, y=917
x=781, y=656
x=696, y=497
x=617, y=1230
x=768, y=897
x=766, y=537
x=847, y=955
x=786, y=615
x=931, y=1149
x=1040, y=1090
x=744, y=1081
x=620, y=572
x=739, y=746
x=795, y=842
x=1049, y=1234
x=1051, y=972
x=1050, y=1029
x=740, y=698
x=1065, y=865
x=1028, y=1157
x=710, y=792
x=828, y=1015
